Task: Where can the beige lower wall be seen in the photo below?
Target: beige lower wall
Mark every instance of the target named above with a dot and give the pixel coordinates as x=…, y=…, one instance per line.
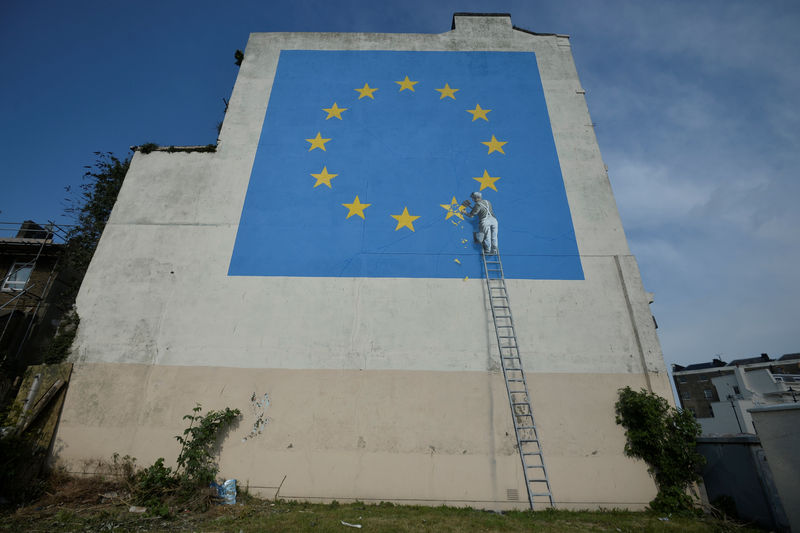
x=405, y=436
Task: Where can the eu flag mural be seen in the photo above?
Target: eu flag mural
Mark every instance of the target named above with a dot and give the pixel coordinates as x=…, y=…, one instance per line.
x=365, y=157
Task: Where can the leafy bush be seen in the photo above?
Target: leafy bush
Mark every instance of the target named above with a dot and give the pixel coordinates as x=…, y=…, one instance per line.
x=151, y=483
x=664, y=437
x=157, y=484
x=196, y=464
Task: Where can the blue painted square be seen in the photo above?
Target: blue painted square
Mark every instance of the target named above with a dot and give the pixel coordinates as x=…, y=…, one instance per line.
x=404, y=150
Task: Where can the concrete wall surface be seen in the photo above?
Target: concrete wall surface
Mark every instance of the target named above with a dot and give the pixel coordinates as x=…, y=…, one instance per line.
x=379, y=388
x=737, y=469
x=778, y=427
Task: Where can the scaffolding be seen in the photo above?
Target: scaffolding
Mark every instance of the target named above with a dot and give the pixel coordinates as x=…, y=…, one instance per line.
x=21, y=293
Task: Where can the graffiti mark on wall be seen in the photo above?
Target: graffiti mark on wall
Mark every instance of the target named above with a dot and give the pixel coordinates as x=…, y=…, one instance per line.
x=258, y=408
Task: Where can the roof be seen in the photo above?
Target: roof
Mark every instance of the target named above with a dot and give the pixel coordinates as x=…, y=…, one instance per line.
x=716, y=363
x=763, y=358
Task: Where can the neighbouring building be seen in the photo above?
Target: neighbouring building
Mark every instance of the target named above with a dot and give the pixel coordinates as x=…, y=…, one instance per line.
x=29, y=264
x=721, y=394
x=317, y=272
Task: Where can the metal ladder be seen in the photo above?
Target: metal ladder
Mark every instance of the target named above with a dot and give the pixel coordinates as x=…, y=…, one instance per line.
x=530, y=449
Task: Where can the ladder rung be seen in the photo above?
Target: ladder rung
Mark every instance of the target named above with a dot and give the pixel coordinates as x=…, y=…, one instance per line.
x=541, y=494
x=507, y=336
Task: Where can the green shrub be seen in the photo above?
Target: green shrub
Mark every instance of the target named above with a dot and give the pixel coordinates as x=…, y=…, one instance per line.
x=664, y=437
x=186, y=485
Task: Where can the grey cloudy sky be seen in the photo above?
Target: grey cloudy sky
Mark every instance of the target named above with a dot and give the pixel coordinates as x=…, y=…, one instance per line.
x=694, y=104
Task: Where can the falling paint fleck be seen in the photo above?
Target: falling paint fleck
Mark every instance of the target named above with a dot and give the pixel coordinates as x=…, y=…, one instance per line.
x=466, y=278
x=457, y=261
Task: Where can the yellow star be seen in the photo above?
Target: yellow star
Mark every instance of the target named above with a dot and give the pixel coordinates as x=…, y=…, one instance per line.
x=447, y=91
x=335, y=111
x=453, y=209
x=495, y=145
x=366, y=90
x=478, y=113
x=486, y=180
x=318, y=142
x=356, y=208
x=405, y=219
x=324, y=178
x=406, y=84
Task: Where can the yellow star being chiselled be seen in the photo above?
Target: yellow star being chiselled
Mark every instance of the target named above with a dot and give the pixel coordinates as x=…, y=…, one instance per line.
x=335, y=111
x=366, y=90
x=478, y=113
x=486, y=181
x=447, y=91
x=495, y=145
x=404, y=220
x=406, y=84
x=453, y=209
x=318, y=142
x=323, y=178
x=356, y=208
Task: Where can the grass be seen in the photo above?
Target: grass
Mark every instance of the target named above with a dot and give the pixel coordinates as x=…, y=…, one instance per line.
x=79, y=505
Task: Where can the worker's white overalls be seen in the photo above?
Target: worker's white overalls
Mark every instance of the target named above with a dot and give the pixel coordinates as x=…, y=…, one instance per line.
x=488, y=224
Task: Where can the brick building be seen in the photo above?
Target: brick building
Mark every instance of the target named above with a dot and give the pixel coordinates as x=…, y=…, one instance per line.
x=719, y=394
x=29, y=258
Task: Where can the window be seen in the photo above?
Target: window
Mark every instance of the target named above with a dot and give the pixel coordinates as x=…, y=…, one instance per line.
x=17, y=277
x=736, y=389
x=694, y=413
x=708, y=393
x=702, y=378
x=681, y=379
x=686, y=395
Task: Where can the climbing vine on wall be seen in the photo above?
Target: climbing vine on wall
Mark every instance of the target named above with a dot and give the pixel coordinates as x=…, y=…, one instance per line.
x=664, y=437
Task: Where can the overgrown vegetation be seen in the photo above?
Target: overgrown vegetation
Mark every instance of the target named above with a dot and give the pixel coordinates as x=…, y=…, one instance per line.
x=90, y=210
x=255, y=515
x=665, y=438
x=19, y=481
x=62, y=341
x=158, y=486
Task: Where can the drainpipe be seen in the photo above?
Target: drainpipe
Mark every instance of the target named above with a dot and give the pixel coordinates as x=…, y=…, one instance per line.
x=730, y=397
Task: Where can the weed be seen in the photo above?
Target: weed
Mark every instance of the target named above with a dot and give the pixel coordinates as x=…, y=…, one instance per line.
x=146, y=148
x=187, y=485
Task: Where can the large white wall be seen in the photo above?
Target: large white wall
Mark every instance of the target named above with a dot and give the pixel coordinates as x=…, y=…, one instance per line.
x=158, y=290
x=163, y=326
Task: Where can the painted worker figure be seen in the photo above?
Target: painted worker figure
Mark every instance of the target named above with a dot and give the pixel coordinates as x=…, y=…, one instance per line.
x=488, y=222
